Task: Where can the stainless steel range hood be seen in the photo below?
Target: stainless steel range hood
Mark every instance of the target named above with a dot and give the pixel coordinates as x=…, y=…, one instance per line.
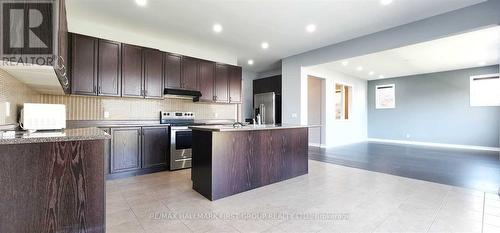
x=182, y=94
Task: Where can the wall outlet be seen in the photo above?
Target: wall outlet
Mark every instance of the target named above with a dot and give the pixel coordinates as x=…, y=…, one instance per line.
x=106, y=114
x=294, y=115
x=408, y=135
x=216, y=115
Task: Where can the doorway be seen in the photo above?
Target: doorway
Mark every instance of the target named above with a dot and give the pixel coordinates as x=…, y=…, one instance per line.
x=315, y=110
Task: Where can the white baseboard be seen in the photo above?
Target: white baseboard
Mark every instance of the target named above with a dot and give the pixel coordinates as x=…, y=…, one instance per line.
x=317, y=145
x=456, y=146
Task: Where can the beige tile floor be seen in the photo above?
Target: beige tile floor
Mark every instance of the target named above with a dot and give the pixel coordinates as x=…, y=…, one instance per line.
x=330, y=198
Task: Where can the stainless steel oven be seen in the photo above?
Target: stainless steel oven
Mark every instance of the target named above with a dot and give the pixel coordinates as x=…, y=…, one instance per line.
x=181, y=140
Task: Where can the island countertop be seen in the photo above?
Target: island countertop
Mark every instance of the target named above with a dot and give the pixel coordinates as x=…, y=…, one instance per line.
x=79, y=134
x=230, y=128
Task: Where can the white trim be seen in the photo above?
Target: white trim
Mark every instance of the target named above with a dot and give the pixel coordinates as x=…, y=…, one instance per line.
x=456, y=146
x=317, y=145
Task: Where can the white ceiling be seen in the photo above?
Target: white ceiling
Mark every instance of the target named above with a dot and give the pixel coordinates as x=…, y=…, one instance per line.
x=247, y=23
x=472, y=49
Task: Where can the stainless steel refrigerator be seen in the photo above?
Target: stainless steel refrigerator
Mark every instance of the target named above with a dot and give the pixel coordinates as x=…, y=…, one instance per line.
x=265, y=105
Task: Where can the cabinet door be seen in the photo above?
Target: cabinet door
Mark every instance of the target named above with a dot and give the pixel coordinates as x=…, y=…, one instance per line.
x=189, y=73
x=132, y=75
x=235, y=84
x=172, y=71
x=155, y=144
x=153, y=73
x=83, y=68
x=125, y=149
x=109, y=68
x=221, y=83
x=206, y=79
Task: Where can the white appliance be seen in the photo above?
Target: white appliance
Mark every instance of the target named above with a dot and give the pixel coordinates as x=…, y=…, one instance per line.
x=43, y=117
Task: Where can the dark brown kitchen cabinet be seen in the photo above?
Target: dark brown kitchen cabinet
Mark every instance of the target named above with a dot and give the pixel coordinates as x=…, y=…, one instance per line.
x=155, y=146
x=206, y=79
x=172, y=71
x=132, y=73
x=235, y=73
x=189, y=78
x=109, y=68
x=153, y=73
x=221, y=83
x=83, y=65
x=125, y=149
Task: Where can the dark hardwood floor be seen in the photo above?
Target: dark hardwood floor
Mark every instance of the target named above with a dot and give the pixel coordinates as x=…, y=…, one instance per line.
x=473, y=169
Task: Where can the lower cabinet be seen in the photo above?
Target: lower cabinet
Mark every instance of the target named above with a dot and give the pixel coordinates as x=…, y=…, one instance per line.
x=155, y=145
x=137, y=150
x=125, y=149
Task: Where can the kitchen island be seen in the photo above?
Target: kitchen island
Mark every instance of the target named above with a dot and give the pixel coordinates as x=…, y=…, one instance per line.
x=52, y=181
x=229, y=160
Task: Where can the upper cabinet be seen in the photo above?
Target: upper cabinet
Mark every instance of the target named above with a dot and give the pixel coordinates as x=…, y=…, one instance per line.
x=109, y=68
x=206, y=79
x=172, y=71
x=153, y=73
x=189, y=79
x=235, y=73
x=132, y=73
x=83, y=67
x=222, y=83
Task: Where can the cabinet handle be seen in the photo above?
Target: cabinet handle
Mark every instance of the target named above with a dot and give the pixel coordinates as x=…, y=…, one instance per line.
x=230, y=99
x=99, y=90
x=94, y=89
x=145, y=92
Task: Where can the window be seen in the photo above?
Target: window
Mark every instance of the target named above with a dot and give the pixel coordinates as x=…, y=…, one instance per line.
x=385, y=96
x=485, y=90
x=343, y=99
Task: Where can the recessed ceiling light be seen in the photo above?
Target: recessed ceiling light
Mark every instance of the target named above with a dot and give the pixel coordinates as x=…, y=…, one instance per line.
x=264, y=45
x=385, y=2
x=311, y=28
x=381, y=76
x=371, y=73
x=345, y=63
x=141, y=2
x=250, y=62
x=481, y=63
x=359, y=68
x=217, y=28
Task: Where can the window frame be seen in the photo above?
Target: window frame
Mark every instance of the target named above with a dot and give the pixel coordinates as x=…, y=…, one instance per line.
x=349, y=103
x=377, y=87
x=483, y=76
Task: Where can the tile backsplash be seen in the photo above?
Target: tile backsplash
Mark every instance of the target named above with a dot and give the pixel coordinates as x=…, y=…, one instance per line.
x=94, y=108
x=13, y=94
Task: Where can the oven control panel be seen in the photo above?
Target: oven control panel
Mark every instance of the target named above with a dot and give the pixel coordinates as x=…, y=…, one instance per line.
x=176, y=115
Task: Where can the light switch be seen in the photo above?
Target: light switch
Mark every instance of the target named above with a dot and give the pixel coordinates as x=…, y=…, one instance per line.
x=106, y=114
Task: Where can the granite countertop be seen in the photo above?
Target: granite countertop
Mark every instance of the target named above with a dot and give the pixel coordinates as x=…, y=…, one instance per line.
x=24, y=137
x=229, y=128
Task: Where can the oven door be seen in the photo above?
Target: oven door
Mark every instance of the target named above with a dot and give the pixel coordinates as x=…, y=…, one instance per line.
x=181, y=139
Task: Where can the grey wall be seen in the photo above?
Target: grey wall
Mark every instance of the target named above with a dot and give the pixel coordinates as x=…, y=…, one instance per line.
x=435, y=108
x=247, y=93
